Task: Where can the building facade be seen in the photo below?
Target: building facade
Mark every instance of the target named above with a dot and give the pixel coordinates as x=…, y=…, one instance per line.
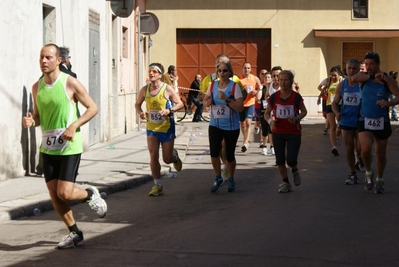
x=103, y=50
x=308, y=37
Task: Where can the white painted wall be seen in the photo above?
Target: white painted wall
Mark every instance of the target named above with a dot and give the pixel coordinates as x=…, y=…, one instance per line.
x=21, y=26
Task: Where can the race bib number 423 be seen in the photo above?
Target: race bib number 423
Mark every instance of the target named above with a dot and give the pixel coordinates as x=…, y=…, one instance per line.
x=52, y=139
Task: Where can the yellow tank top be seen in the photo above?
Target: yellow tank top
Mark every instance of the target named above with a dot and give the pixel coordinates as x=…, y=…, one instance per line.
x=156, y=103
x=250, y=99
x=331, y=92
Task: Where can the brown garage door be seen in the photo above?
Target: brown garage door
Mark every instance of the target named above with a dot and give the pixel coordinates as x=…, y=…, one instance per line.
x=355, y=50
x=198, y=48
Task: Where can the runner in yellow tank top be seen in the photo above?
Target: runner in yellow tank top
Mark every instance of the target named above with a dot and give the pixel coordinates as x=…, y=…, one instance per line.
x=252, y=85
x=158, y=97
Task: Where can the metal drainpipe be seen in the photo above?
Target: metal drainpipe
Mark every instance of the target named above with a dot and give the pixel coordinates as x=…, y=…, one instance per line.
x=139, y=58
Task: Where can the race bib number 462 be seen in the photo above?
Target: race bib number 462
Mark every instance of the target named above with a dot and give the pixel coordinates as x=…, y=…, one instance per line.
x=52, y=139
x=374, y=124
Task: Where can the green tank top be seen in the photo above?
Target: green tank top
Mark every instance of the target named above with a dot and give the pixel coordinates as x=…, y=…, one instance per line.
x=57, y=111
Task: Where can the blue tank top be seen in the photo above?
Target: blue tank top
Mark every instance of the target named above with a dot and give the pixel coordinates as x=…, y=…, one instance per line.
x=350, y=96
x=371, y=93
x=222, y=116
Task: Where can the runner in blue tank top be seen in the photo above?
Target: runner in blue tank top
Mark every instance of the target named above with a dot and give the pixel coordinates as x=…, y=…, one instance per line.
x=373, y=123
x=347, y=115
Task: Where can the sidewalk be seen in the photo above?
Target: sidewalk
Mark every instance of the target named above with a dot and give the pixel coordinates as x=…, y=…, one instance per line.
x=116, y=165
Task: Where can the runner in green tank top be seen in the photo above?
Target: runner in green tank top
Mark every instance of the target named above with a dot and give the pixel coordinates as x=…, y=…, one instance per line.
x=55, y=109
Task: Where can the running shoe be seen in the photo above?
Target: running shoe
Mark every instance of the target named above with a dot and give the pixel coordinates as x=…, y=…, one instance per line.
x=359, y=165
x=257, y=130
x=244, y=148
x=157, y=190
x=297, y=178
x=334, y=151
x=379, y=186
x=216, y=185
x=285, y=188
x=325, y=131
x=261, y=145
x=178, y=165
x=225, y=174
x=264, y=151
x=352, y=179
x=231, y=185
x=369, y=183
x=96, y=202
x=71, y=240
x=272, y=150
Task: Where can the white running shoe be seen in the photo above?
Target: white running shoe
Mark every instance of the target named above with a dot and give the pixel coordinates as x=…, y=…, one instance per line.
x=96, y=203
x=257, y=130
x=71, y=240
x=264, y=151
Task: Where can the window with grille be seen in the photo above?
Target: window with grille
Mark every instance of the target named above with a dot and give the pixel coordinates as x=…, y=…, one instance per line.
x=360, y=9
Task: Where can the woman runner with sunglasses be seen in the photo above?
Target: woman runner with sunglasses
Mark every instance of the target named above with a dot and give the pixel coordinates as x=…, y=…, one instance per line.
x=225, y=99
x=158, y=97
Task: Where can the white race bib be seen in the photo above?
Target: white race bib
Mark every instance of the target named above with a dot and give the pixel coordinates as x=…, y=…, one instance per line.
x=264, y=102
x=249, y=88
x=156, y=117
x=220, y=112
x=351, y=99
x=51, y=139
x=332, y=98
x=374, y=124
x=284, y=111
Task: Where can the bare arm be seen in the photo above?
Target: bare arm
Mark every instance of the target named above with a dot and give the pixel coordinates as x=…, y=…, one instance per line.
x=79, y=94
x=139, y=102
x=32, y=120
x=337, y=98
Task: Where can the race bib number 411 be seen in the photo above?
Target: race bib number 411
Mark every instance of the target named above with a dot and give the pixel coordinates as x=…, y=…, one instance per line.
x=51, y=139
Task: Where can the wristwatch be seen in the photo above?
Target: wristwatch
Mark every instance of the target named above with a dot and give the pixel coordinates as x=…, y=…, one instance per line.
x=228, y=100
x=170, y=110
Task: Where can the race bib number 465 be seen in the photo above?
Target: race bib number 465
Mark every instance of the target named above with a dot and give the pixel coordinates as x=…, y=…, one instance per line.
x=51, y=139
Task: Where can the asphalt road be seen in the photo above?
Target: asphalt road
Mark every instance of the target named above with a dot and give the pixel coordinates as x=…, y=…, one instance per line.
x=321, y=223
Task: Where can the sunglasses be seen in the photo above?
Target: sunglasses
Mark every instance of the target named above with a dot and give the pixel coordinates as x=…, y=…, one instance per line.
x=153, y=71
x=274, y=76
x=223, y=70
x=263, y=73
